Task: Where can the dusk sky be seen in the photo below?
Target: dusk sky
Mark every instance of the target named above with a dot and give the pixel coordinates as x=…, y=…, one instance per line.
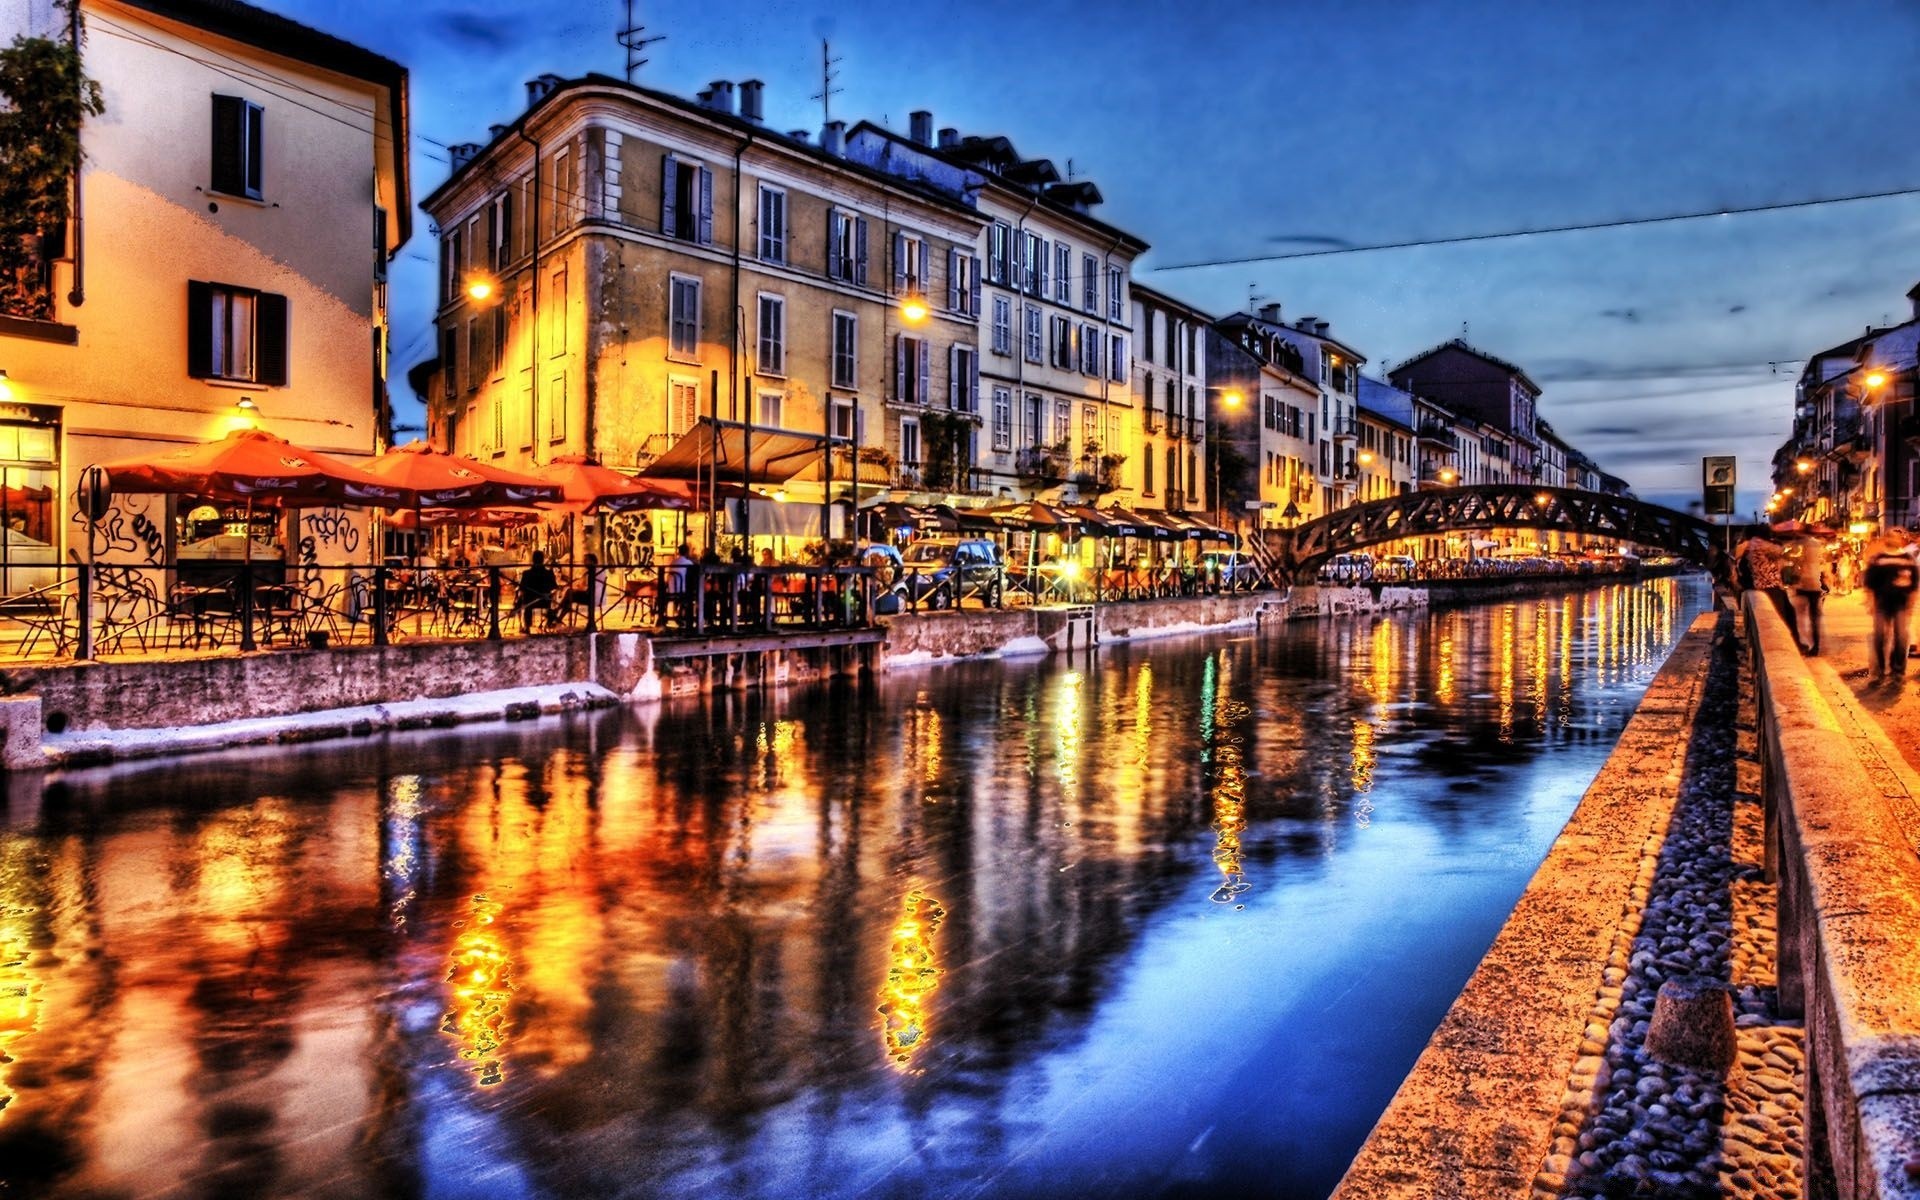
x=1231, y=130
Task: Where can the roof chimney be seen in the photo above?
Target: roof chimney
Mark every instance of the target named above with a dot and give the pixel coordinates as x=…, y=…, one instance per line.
x=1320, y=328
x=1304, y=324
x=803, y=136
x=950, y=137
x=540, y=87
x=833, y=138
x=1914, y=296
x=920, y=127
x=494, y=132
x=462, y=154
x=751, y=91
x=1270, y=313
x=722, y=92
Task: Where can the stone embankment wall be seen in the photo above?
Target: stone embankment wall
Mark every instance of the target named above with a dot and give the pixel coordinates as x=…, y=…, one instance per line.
x=971, y=633
x=1476, y=1116
x=1849, y=927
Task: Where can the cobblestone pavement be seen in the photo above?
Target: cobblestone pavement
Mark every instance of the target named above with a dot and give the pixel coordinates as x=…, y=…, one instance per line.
x=1635, y=1127
x=1882, y=719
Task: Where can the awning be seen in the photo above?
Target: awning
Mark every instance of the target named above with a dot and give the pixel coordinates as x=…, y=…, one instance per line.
x=1037, y=517
x=1147, y=524
x=895, y=515
x=1107, y=522
x=738, y=454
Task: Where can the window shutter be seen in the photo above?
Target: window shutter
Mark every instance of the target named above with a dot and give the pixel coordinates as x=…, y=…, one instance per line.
x=921, y=274
x=256, y=122
x=229, y=113
x=953, y=280
x=975, y=276
x=926, y=369
x=1039, y=266
x=900, y=367
x=834, y=219
x=669, y=213
x=953, y=377
x=271, y=345
x=506, y=230
x=706, y=207
x=973, y=381
x=899, y=262
x=199, y=329
x=860, y=251
x=379, y=245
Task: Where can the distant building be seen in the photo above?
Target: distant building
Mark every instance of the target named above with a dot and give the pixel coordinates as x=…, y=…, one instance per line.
x=226, y=260
x=1475, y=384
x=1266, y=447
x=1334, y=370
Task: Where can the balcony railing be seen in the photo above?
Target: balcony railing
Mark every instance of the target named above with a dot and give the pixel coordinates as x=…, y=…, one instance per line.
x=1438, y=432
x=1346, y=427
x=1041, y=464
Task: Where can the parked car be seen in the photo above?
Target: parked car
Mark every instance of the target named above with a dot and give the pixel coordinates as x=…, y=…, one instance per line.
x=942, y=572
x=1347, y=568
x=1235, y=571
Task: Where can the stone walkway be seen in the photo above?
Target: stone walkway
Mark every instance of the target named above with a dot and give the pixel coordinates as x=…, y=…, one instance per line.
x=1882, y=719
x=1632, y=1126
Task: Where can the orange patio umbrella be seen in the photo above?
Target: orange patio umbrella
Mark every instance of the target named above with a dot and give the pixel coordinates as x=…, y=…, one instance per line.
x=251, y=465
x=435, y=479
x=587, y=486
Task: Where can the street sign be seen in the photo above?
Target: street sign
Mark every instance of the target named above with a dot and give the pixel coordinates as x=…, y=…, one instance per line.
x=1717, y=477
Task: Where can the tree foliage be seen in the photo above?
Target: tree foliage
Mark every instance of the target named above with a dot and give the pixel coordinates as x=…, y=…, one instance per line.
x=48, y=98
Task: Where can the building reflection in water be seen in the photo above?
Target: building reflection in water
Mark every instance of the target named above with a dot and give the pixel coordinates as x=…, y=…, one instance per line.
x=558, y=958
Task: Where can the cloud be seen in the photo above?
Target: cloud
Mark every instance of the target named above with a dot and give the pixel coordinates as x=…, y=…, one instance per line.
x=1621, y=314
x=1736, y=308
x=1310, y=239
x=478, y=29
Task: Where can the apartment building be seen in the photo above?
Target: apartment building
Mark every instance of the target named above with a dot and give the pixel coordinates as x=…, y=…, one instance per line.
x=224, y=263
x=672, y=285
x=1164, y=431
x=1056, y=355
x=1473, y=383
x=1265, y=445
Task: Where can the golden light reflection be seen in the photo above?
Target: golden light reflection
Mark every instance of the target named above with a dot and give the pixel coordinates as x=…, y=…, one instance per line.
x=1066, y=732
x=1506, y=673
x=1218, y=724
x=912, y=976
x=404, y=808
x=481, y=981
x=1443, y=687
x=1361, y=777
x=19, y=992
x=926, y=736
x=1142, y=714
x=1542, y=628
x=1380, y=661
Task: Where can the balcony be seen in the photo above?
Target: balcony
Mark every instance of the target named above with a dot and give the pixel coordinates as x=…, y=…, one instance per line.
x=1437, y=433
x=1347, y=430
x=1096, y=475
x=1041, y=466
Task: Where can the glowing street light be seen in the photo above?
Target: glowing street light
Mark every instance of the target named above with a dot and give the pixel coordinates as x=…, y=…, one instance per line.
x=479, y=287
x=914, y=310
x=1447, y=475
x=1366, y=456
x=1875, y=379
x=1232, y=399
x=1803, y=466
x=1541, y=498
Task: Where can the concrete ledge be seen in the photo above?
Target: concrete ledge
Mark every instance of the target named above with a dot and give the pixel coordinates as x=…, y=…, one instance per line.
x=1849, y=927
x=1475, y=1117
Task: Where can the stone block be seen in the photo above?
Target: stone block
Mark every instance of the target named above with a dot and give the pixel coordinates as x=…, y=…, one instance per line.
x=1693, y=1025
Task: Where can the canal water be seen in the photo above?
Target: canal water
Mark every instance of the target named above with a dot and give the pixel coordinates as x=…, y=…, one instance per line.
x=1170, y=920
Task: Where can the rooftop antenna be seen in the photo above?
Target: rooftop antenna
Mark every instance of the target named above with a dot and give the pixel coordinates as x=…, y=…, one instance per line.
x=827, y=75
x=1463, y=331
x=633, y=38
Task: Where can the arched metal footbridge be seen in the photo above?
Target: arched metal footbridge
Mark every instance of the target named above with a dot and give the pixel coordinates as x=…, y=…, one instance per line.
x=1499, y=506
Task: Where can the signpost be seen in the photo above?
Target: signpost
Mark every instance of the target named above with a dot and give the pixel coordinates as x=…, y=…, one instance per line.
x=1717, y=473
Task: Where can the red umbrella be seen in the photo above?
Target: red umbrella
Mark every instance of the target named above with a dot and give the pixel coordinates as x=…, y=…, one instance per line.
x=589, y=487
x=254, y=466
x=434, y=479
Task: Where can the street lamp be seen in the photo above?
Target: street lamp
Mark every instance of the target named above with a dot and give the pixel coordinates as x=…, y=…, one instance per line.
x=481, y=287
x=913, y=309
x=1448, y=475
x=1803, y=465
x=1875, y=379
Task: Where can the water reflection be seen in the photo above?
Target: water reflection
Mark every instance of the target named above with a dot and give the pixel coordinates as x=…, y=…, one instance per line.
x=641, y=954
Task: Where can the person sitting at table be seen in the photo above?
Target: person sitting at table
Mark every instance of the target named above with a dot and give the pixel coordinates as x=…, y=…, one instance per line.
x=679, y=578
x=536, y=588
x=592, y=592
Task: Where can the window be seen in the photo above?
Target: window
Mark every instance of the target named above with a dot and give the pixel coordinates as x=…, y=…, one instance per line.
x=912, y=369
x=1063, y=343
x=499, y=339
x=498, y=412
x=1089, y=283
x=1090, y=350
x=1002, y=419
x=238, y=144
x=847, y=247
x=557, y=409
x=473, y=354
x=683, y=321
x=1002, y=325
x=963, y=379
x=846, y=341
x=910, y=443
x=1062, y=422
x=451, y=285
x=1089, y=429
x=909, y=265
x=1146, y=473
x=1033, y=264
x=567, y=195
x=773, y=224
x=237, y=333
x=1036, y=343
x=1000, y=253
x=963, y=283
x=773, y=334
x=500, y=231
x=1113, y=293
x=556, y=342
x=1117, y=353
x=767, y=412
x=449, y=356
x=1173, y=471
x=1063, y=272
x=683, y=405
x=686, y=200
x=844, y=421
x=1036, y=418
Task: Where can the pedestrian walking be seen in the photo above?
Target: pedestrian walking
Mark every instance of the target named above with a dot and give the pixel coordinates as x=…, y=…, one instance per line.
x=1763, y=557
x=1810, y=589
x=1889, y=579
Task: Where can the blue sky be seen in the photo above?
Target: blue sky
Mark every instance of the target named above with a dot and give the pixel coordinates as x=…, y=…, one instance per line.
x=1231, y=129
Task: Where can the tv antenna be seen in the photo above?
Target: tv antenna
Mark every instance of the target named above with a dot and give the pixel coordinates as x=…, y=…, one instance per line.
x=827, y=75
x=633, y=39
